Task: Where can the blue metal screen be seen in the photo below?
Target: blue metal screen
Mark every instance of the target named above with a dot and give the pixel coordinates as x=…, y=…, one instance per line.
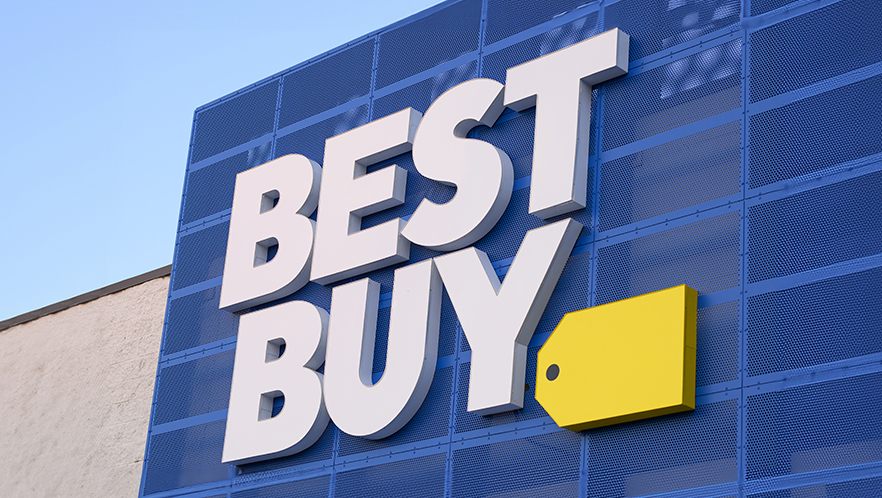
x=741, y=155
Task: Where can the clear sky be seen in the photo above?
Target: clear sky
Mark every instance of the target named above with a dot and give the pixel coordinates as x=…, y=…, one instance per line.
x=96, y=104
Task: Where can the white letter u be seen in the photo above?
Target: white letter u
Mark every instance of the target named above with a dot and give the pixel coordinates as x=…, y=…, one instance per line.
x=356, y=405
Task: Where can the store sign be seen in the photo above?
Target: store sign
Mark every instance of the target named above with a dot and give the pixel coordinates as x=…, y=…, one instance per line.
x=271, y=208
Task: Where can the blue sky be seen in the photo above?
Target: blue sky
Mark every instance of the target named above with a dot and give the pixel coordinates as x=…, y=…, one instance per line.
x=96, y=103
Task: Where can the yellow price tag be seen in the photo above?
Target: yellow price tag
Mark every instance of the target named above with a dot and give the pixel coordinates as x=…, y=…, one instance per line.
x=623, y=361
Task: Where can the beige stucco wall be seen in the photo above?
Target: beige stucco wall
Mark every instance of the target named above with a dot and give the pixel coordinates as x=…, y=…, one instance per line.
x=75, y=395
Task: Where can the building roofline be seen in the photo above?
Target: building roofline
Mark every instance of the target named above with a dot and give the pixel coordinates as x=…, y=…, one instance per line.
x=85, y=298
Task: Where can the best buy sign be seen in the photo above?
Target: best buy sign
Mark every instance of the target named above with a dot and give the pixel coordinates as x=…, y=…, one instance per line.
x=271, y=206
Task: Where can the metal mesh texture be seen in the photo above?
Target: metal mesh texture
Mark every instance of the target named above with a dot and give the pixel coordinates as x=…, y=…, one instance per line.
x=689, y=89
x=692, y=170
x=195, y=320
x=327, y=83
x=674, y=452
x=814, y=427
x=786, y=238
x=185, y=457
x=417, y=477
x=544, y=466
x=210, y=189
x=496, y=63
x=657, y=26
x=739, y=159
x=200, y=256
x=718, y=336
x=704, y=255
x=235, y=121
x=758, y=7
x=194, y=388
x=421, y=95
x=316, y=487
x=844, y=38
x=431, y=420
x=420, y=45
x=821, y=322
x=509, y=17
x=798, y=139
x=845, y=489
x=310, y=140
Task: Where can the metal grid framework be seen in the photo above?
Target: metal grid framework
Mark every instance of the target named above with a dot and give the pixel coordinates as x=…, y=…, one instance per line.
x=741, y=155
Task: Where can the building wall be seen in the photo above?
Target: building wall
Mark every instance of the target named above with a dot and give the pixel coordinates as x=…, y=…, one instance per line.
x=741, y=155
x=75, y=394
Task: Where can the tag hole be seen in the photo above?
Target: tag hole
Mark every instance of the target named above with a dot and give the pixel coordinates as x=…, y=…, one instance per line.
x=552, y=372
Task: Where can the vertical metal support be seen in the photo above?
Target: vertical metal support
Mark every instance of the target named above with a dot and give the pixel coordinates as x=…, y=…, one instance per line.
x=596, y=183
x=585, y=453
x=585, y=450
x=595, y=198
x=373, y=77
x=742, y=329
x=481, y=35
x=335, y=449
x=276, y=117
x=451, y=423
x=231, y=475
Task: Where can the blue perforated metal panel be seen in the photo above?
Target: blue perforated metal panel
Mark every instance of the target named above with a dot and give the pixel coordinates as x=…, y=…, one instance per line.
x=659, y=26
x=420, y=45
x=421, y=95
x=689, y=450
x=431, y=421
x=195, y=320
x=717, y=334
x=844, y=37
x=543, y=465
x=703, y=254
x=185, y=457
x=316, y=487
x=686, y=172
x=194, y=388
x=233, y=122
x=847, y=489
x=327, y=83
x=740, y=155
x=200, y=255
x=786, y=236
x=817, y=323
x=509, y=17
x=758, y=7
x=210, y=189
x=415, y=477
x=690, y=89
x=819, y=132
x=310, y=140
x=814, y=427
x=496, y=63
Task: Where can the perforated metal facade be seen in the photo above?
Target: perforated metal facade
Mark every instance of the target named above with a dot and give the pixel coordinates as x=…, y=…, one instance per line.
x=741, y=155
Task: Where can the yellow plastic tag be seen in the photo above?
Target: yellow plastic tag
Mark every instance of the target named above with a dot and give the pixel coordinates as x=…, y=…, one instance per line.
x=623, y=361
